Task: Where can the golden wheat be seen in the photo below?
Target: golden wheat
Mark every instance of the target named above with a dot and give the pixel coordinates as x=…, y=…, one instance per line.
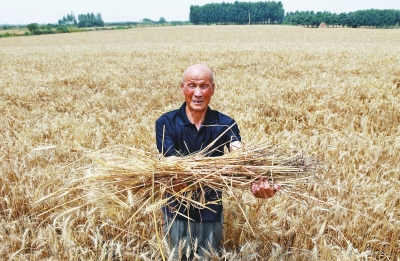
x=332, y=92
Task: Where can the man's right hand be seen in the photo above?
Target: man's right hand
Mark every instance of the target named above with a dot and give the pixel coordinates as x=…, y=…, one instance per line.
x=262, y=189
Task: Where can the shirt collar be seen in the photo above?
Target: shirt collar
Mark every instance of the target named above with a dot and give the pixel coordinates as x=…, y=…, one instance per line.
x=208, y=120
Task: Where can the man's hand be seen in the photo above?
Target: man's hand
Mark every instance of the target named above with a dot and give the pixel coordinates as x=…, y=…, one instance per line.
x=262, y=189
x=235, y=145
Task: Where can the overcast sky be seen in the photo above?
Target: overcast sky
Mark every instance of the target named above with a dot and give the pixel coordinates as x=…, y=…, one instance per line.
x=49, y=11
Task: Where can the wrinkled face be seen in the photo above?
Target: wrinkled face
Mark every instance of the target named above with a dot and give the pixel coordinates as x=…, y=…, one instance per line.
x=197, y=87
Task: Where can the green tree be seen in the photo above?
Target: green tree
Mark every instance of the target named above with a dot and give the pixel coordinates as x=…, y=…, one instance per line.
x=62, y=29
x=237, y=13
x=90, y=20
x=46, y=29
x=69, y=19
x=162, y=20
x=334, y=19
x=398, y=17
x=194, y=14
x=34, y=28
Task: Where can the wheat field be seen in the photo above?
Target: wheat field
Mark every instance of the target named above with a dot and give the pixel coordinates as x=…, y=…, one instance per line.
x=332, y=93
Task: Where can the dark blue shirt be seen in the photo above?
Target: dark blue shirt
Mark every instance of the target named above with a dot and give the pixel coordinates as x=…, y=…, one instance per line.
x=182, y=138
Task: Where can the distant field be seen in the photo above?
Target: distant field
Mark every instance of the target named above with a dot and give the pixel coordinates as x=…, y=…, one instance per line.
x=19, y=31
x=333, y=93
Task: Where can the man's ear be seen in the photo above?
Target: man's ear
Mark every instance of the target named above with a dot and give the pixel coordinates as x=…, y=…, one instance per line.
x=182, y=88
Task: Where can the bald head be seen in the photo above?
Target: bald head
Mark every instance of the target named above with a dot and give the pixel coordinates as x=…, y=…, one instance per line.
x=198, y=88
x=198, y=69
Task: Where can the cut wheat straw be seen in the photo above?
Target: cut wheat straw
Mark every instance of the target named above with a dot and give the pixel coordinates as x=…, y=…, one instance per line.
x=145, y=173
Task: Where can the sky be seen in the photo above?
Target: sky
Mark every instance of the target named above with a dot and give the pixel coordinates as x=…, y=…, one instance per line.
x=49, y=11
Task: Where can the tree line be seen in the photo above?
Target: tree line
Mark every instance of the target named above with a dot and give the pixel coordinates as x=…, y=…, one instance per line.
x=84, y=20
x=64, y=24
x=69, y=19
x=242, y=13
x=237, y=13
x=371, y=18
x=273, y=13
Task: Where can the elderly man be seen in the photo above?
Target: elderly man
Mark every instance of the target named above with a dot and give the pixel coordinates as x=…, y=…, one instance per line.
x=189, y=129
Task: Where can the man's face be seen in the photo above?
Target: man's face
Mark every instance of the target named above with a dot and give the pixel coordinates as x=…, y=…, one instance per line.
x=197, y=87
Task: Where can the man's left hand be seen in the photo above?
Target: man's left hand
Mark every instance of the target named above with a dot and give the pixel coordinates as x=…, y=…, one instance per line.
x=262, y=189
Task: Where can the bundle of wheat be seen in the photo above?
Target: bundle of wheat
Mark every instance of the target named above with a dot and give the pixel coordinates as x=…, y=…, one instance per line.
x=123, y=169
x=125, y=176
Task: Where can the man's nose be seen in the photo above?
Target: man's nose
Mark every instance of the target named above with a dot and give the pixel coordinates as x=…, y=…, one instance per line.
x=198, y=91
